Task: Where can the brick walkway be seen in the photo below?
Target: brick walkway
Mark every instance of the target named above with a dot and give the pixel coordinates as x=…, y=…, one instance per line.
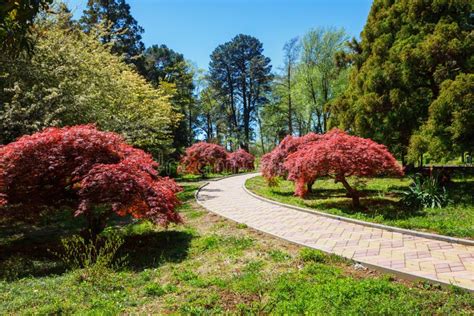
x=404, y=254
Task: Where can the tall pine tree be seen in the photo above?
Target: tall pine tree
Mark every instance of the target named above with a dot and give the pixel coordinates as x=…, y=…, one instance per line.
x=164, y=65
x=121, y=28
x=241, y=75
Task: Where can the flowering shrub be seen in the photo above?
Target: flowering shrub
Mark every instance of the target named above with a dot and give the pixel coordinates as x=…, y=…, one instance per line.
x=339, y=155
x=240, y=160
x=201, y=155
x=272, y=164
x=95, y=173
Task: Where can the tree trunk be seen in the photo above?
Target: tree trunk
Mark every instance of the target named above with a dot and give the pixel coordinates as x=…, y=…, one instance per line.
x=246, y=130
x=310, y=186
x=95, y=225
x=353, y=193
x=259, y=120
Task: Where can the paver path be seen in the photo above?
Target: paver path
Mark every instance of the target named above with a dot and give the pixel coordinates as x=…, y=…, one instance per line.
x=401, y=253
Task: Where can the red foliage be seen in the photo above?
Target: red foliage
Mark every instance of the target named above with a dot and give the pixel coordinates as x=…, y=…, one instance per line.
x=272, y=164
x=94, y=172
x=339, y=155
x=240, y=160
x=201, y=155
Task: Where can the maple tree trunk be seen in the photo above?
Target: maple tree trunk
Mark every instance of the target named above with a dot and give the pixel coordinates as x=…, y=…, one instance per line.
x=310, y=186
x=95, y=225
x=353, y=193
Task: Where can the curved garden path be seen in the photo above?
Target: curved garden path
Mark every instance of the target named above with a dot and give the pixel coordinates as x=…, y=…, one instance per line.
x=407, y=255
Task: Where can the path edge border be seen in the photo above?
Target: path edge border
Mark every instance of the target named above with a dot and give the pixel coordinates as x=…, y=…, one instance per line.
x=461, y=241
x=397, y=273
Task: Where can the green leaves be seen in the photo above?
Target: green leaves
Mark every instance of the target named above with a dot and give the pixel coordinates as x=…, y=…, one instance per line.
x=74, y=79
x=407, y=50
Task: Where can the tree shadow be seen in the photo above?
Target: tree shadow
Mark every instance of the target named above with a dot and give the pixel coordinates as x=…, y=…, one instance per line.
x=153, y=249
x=31, y=255
x=386, y=208
x=30, y=252
x=462, y=191
x=372, y=202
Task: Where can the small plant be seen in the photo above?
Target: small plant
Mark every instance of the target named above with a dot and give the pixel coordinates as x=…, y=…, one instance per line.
x=278, y=255
x=312, y=255
x=154, y=289
x=100, y=251
x=425, y=192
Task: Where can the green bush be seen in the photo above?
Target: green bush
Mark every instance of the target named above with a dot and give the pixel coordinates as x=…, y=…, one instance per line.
x=425, y=192
x=78, y=252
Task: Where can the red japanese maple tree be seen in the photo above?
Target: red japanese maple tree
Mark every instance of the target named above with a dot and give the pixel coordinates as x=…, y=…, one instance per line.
x=94, y=173
x=201, y=155
x=240, y=160
x=272, y=164
x=339, y=155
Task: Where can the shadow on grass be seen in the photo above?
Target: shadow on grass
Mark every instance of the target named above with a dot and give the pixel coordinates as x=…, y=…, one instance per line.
x=152, y=249
x=462, y=191
x=32, y=255
x=389, y=209
x=373, y=204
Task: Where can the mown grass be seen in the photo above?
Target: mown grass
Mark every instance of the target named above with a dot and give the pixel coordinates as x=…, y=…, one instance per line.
x=208, y=266
x=381, y=198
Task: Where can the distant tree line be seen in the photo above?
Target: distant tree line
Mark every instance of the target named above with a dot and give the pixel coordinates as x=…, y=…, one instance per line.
x=406, y=83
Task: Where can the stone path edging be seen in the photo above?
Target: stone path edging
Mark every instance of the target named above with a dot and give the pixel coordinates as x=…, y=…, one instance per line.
x=365, y=223
x=407, y=256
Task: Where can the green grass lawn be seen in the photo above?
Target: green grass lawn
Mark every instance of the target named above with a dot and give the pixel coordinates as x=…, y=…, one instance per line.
x=381, y=198
x=208, y=265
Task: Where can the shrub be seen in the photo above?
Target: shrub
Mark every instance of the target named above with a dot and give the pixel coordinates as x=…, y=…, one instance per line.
x=272, y=164
x=338, y=155
x=425, y=192
x=241, y=160
x=100, y=251
x=95, y=173
x=202, y=155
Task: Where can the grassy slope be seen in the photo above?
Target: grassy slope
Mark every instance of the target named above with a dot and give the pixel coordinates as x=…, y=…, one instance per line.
x=381, y=201
x=209, y=265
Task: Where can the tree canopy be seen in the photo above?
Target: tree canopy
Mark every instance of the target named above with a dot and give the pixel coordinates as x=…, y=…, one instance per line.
x=16, y=21
x=94, y=173
x=116, y=25
x=241, y=75
x=73, y=79
x=449, y=129
x=407, y=50
x=202, y=155
x=162, y=66
x=339, y=156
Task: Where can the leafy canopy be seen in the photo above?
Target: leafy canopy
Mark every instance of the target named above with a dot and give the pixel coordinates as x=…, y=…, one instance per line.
x=121, y=28
x=273, y=163
x=450, y=125
x=93, y=172
x=74, y=79
x=16, y=22
x=241, y=75
x=240, y=160
x=407, y=50
x=201, y=155
x=339, y=155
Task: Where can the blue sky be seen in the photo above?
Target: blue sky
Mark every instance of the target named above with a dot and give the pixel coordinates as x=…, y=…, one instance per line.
x=195, y=27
